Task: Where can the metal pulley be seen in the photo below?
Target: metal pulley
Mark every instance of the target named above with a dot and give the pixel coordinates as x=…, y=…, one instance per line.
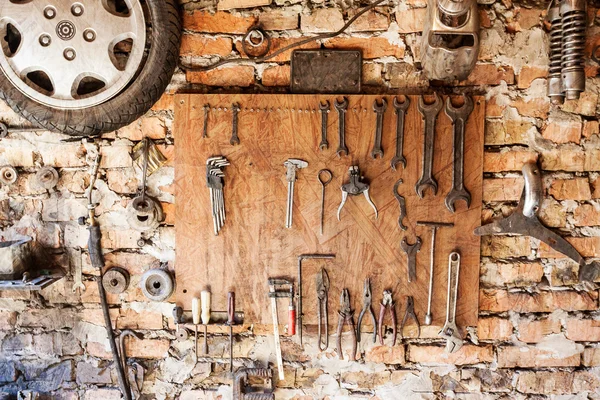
x=47, y=178
x=8, y=175
x=157, y=284
x=115, y=280
x=144, y=214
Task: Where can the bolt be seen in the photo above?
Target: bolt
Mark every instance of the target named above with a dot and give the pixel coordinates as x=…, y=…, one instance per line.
x=45, y=40
x=49, y=12
x=77, y=9
x=89, y=35
x=69, y=54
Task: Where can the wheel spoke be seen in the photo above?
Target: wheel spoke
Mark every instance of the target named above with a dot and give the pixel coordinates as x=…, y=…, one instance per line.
x=104, y=68
x=114, y=26
x=63, y=81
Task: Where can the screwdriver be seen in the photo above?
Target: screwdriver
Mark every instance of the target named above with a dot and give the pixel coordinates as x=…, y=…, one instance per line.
x=205, y=296
x=196, y=321
x=231, y=322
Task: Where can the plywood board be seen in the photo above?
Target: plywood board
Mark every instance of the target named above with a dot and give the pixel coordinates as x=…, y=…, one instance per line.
x=255, y=245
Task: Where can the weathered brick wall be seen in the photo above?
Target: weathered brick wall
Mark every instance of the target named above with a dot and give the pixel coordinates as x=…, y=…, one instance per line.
x=538, y=329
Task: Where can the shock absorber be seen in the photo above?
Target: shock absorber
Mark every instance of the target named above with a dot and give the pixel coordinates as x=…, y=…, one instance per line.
x=573, y=13
x=555, y=84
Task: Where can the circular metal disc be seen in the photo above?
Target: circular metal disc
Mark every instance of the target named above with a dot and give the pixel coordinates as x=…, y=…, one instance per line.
x=157, y=284
x=115, y=280
x=8, y=175
x=47, y=177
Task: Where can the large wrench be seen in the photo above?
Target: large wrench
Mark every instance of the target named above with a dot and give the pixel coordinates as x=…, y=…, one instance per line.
x=324, y=145
x=459, y=118
x=411, y=251
x=429, y=112
x=379, y=110
x=341, y=108
x=450, y=331
x=400, y=110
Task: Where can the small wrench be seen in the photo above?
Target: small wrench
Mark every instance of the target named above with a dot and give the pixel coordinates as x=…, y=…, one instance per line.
x=429, y=112
x=400, y=110
x=324, y=111
x=411, y=251
x=459, y=118
x=341, y=108
x=379, y=110
x=206, y=110
x=235, y=140
x=450, y=331
x=402, y=203
x=78, y=274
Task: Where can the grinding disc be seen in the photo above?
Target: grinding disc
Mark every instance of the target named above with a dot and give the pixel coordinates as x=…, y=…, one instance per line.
x=115, y=280
x=157, y=284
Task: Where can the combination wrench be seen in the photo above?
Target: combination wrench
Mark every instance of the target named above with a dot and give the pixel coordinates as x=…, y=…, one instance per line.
x=379, y=110
x=400, y=110
x=324, y=145
x=341, y=108
x=459, y=118
x=429, y=112
x=450, y=331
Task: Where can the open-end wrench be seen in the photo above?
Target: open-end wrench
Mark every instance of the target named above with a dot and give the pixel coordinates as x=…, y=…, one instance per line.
x=379, y=110
x=400, y=110
x=324, y=145
x=411, y=251
x=341, y=108
x=429, y=112
x=206, y=110
x=450, y=331
x=402, y=203
x=459, y=118
x=235, y=108
x=77, y=273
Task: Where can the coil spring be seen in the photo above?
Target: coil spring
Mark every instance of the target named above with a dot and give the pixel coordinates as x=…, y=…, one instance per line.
x=573, y=40
x=556, y=33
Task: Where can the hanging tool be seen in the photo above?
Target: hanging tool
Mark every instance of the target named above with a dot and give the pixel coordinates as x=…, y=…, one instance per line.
x=180, y=333
x=205, y=130
x=241, y=384
x=573, y=14
x=134, y=383
x=429, y=113
x=77, y=273
x=291, y=166
x=324, y=182
x=434, y=227
x=235, y=109
x=450, y=331
x=401, y=203
x=355, y=187
x=388, y=303
x=8, y=175
x=231, y=323
x=459, y=118
x=196, y=321
x=555, y=84
x=341, y=108
x=410, y=313
x=380, y=111
x=322, y=312
x=301, y=258
x=411, y=251
x=215, y=183
x=346, y=317
x=278, y=288
x=400, y=110
x=524, y=221
x=324, y=108
x=367, y=306
x=205, y=300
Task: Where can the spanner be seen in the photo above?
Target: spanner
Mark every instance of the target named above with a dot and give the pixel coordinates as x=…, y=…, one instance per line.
x=235, y=108
x=411, y=251
x=206, y=110
x=459, y=118
x=324, y=145
x=78, y=274
x=450, y=331
x=402, y=203
x=400, y=115
x=429, y=112
x=379, y=110
x=341, y=109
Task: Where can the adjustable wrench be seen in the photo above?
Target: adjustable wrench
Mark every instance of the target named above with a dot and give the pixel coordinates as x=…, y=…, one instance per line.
x=341, y=109
x=429, y=112
x=450, y=331
x=400, y=109
x=459, y=118
x=324, y=145
x=379, y=110
x=402, y=203
x=411, y=251
x=235, y=108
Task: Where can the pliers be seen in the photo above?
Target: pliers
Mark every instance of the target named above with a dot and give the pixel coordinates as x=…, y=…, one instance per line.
x=354, y=188
x=410, y=313
x=388, y=303
x=367, y=300
x=346, y=316
x=322, y=297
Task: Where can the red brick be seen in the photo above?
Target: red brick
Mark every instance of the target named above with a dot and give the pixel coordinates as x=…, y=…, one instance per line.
x=563, y=160
x=165, y=103
x=561, y=130
x=506, y=246
x=374, y=20
x=241, y=75
x=502, y=189
x=322, y=20
x=494, y=328
x=386, y=355
x=586, y=215
x=590, y=128
x=516, y=274
x=8, y=319
x=135, y=348
x=489, y=74
x=545, y=382
x=411, y=20
x=484, y=19
x=279, y=20
x=592, y=160
x=372, y=47
x=586, y=246
x=148, y=126
x=498, y=300
x=233, y=4
x=279, y=43
x=595, y=188
x=534, y=331
x=219, y=22
x=366, y=380
x=583, y=330
x=276, y=76
x=531, y=357
x=571, y=189
x=434, y=355
x=511, y=160
x=372, y=74
x=529, y=73
x=196, y=45
x=585, y=105
x=528, y=18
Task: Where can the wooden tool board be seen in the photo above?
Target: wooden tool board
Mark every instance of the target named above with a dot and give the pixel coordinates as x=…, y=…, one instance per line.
x=254, y=243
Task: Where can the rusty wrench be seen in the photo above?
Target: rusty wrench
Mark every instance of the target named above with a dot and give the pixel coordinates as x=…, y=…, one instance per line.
x=411, y=251
x=429, y=112
x=459, y=118
x=402, y=203
x=380, y=111
x=341, y=108
x=235, y=109
x=400, y=110
x=324, y=145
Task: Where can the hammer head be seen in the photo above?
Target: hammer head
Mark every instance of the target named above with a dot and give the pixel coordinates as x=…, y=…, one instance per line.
x=292, y=164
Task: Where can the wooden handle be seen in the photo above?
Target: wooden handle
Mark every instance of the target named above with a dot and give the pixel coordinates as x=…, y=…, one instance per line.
x=205, y=296
x=196, y=310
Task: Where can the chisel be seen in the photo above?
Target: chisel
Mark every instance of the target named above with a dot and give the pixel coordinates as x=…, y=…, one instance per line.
x=205, y=296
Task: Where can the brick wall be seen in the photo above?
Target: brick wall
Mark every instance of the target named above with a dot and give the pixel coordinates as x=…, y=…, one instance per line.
x=538, y=331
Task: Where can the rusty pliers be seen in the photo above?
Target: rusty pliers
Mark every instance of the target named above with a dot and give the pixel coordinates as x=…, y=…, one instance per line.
x=367, y=301
x=410, y=313
x=387, y=303
x=322, y=298
x=346, y=316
